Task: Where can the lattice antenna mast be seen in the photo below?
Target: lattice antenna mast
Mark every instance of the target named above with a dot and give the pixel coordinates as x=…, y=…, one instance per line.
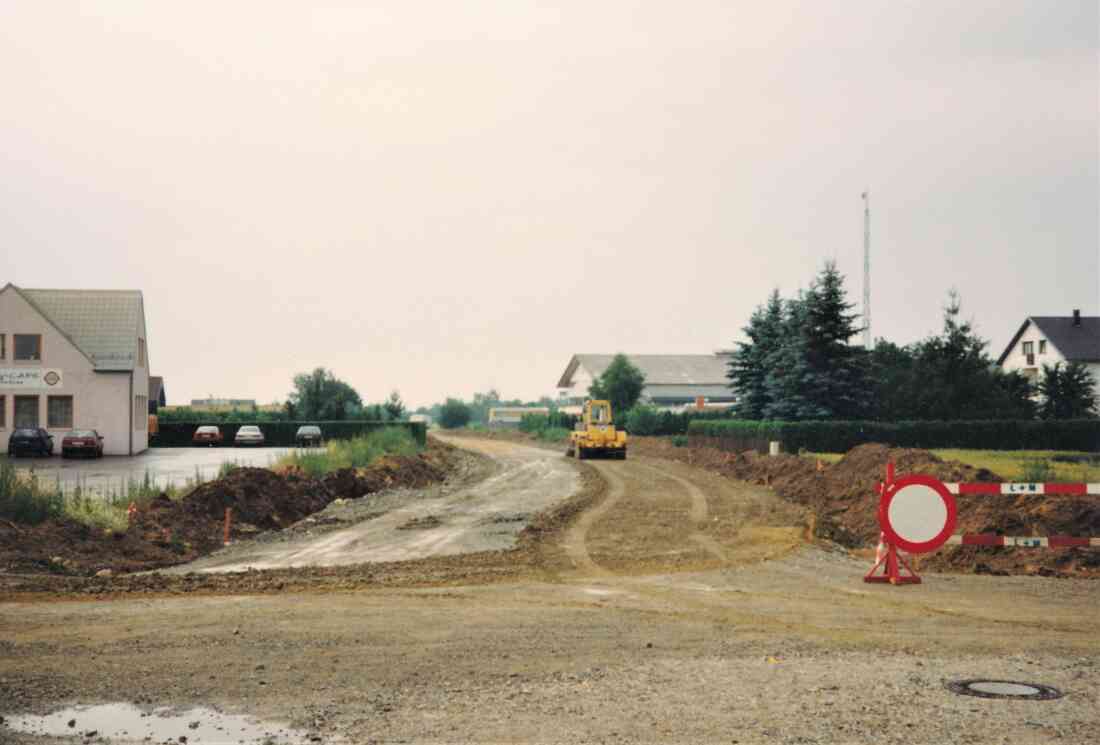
x=868, y=340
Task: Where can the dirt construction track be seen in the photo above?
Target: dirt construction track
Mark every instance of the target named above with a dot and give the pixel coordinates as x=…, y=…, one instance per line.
x=659, y=603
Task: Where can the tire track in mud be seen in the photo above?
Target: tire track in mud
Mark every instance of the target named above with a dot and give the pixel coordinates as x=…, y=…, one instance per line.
x=698, y=514
x=576, y=540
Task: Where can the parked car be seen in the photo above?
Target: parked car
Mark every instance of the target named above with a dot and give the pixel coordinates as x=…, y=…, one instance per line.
x=308, y=434
x=82, y=442
x=207, y=434
x=36, y=441
x=249, y=434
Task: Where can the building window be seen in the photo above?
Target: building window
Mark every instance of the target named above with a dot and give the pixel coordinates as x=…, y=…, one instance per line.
x=141, y=412
x=3, y=347
x=1042, y=346
x=141, y=353
x=26, y=412
x=3, y=412
x=28, y=347
x=1029, y=347
x=59, y=412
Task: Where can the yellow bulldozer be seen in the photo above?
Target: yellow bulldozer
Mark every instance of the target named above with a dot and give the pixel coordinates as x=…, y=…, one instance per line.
x=595, y=435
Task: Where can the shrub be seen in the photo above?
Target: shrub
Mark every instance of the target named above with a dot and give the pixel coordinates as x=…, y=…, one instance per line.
x=533, y=423
x=1037, y=471
x=454, y=414
x=679, y=440
x=227, y=467
x=554, y=434
x=26, y=500
x=643, y=420
x=359, y=452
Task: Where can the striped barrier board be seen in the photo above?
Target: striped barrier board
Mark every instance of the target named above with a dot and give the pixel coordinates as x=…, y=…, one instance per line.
x=1054, y=541
x=1022, y=488
x=918, y=513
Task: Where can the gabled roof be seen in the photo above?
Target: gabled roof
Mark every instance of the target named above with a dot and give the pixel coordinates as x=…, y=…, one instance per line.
x=103, y=324
x=1075, y=343
x=659, y=369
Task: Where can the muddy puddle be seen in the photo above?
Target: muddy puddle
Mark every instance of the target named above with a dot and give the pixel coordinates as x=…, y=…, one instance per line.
x=124, y=723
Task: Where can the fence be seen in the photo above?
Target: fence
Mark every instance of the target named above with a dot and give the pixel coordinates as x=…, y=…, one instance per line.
x=179, y=434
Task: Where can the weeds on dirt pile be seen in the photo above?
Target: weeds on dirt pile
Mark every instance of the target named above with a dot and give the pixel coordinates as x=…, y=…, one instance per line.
x=23, y=499
x=358, y=452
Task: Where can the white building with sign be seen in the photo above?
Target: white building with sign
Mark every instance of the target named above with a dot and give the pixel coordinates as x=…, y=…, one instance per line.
x=75, y=359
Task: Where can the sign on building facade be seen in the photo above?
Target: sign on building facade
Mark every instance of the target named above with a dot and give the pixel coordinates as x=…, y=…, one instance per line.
x=30, y=378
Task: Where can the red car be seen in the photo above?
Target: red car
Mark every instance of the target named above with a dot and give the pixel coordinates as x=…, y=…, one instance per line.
x=207, y=434
x=85, y=442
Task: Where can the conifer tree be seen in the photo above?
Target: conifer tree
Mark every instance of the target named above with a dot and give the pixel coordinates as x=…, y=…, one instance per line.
x=747, y=367
x=835, y=381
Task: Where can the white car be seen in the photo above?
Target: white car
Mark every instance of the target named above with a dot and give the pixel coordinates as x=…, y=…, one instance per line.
x=249, y=434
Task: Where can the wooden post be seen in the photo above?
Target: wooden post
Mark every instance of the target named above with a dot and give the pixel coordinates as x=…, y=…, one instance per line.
x=228, y=523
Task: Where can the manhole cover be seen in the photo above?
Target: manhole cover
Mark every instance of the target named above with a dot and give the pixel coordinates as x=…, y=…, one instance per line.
x=1004, y=689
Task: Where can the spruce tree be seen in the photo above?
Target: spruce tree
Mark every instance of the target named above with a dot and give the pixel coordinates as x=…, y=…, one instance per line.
x=747, y=367
x=836, y=382
x=788, y=374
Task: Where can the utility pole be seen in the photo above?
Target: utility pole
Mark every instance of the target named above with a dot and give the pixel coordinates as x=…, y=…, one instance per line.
x=868, y=340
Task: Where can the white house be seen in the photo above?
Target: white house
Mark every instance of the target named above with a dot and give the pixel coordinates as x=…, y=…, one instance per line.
x=75, y=359
x=1047, y=340
x=671, y=380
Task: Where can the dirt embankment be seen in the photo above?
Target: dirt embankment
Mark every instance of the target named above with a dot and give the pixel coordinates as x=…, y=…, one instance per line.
x=167, y=532
x=844, y=497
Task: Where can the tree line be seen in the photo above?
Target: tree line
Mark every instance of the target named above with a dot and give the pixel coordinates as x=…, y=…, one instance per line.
x=797, y=363
x=317, y=396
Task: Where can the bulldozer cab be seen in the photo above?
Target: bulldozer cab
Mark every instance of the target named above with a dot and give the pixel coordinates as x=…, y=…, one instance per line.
x=597, y=413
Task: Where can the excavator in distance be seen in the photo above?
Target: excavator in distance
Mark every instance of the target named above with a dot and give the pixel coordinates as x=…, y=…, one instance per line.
x=595, y=435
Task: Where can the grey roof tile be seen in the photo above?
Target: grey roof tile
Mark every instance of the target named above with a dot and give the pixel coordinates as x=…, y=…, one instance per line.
x=1076, y=343
x=103, y=324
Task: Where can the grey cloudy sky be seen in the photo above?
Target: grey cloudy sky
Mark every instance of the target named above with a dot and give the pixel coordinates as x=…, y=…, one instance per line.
x=441, y=197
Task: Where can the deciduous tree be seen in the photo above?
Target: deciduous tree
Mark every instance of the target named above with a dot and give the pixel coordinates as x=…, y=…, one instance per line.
x=621, y=384
x=1067, y=392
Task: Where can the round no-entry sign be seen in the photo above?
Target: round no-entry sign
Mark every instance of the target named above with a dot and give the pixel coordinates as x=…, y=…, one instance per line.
x=917, y=514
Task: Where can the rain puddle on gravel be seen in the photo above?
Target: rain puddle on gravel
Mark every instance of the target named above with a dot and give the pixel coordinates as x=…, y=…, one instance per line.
x=126, y=723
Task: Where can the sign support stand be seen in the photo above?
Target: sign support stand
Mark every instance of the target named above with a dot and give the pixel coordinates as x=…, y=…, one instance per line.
x=891, y=570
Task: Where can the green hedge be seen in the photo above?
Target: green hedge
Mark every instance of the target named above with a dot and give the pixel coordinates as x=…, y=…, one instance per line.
x=536, y=423
x=839, y=437
x=178, y=434
x=648, y=420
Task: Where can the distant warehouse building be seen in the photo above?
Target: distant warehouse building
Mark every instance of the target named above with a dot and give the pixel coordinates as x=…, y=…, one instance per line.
x=75, y=359
x=672, y=381
x=510, y=417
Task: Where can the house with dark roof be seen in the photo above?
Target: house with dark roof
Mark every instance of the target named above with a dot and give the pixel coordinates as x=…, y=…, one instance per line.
x=1048, y=340
x=672, y=381
x=75, y=359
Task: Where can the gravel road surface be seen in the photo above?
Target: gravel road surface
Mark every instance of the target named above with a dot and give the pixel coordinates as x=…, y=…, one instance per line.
x=676, y=607
x=483, y=516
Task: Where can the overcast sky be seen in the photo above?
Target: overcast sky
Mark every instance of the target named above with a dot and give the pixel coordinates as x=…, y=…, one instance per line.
x=441, y=197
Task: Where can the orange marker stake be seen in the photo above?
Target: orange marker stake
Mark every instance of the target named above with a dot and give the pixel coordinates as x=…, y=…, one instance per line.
x=228, y=522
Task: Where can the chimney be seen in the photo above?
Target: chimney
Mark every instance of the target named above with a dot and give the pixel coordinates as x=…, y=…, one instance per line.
x=1076, y=316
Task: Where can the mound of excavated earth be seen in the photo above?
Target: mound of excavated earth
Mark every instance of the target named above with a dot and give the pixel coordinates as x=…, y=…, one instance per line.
x=166, y=532
x=844, y=496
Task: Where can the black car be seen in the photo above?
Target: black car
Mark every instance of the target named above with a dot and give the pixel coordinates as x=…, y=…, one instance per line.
x=26, y=440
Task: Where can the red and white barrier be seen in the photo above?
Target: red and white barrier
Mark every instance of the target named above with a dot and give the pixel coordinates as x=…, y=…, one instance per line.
x=918, y=514
x=1023, y=488
x=1053, y=541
